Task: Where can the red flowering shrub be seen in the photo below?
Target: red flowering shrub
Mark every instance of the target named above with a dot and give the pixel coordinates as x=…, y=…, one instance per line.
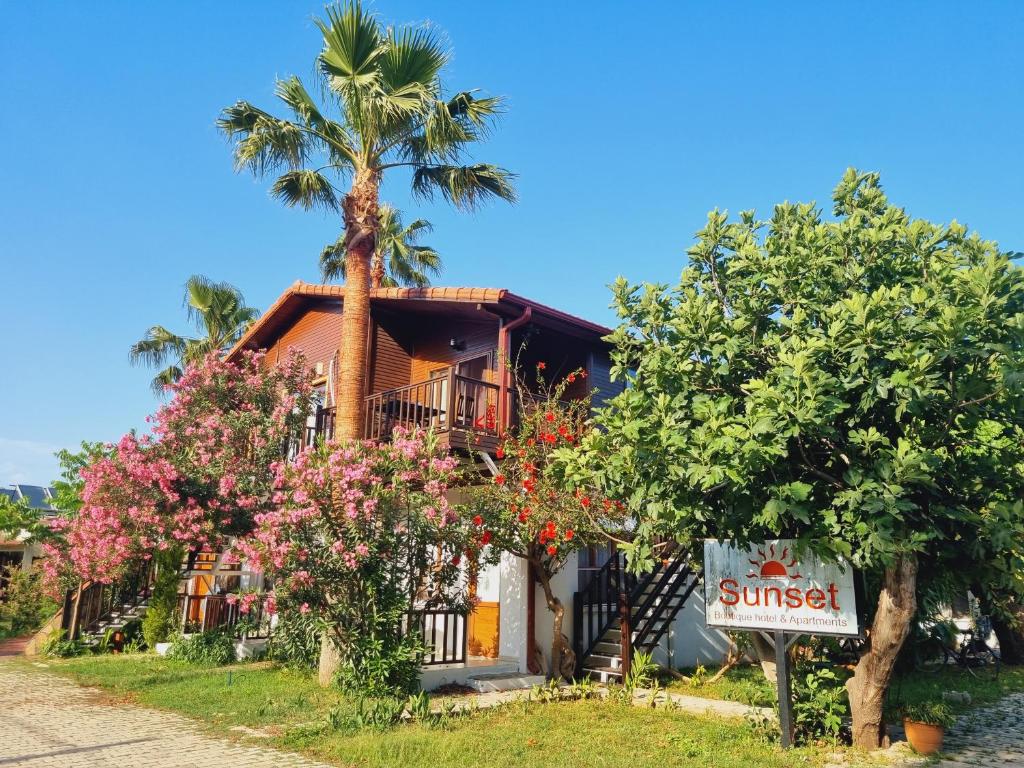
x=528, y=510
x=360, y=533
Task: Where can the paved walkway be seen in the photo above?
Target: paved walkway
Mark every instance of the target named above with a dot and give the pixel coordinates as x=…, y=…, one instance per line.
x=48, y=722
x=992, y=737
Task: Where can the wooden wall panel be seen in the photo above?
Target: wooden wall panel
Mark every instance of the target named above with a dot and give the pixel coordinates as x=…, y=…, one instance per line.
x=317, y=333
x=431, y=347
x=390, y=361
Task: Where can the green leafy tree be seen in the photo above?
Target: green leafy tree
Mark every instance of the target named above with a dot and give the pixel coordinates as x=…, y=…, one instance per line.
x=385, y=109
x=852, y=382
x=398, y=258
x=218, y=312
x=67, y=490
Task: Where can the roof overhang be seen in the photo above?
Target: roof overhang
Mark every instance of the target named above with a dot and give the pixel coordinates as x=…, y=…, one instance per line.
x=500, y=302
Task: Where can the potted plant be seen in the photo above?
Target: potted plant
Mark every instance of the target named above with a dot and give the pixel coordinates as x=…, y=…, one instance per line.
x=926, y=725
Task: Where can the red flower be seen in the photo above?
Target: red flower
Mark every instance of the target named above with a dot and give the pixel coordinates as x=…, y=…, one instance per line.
x=552, y=550
x=478, y=520
x=486, y=537
x=523, y=515
x=549, y=416
x=541, y=366
x=571, y=378
x=529, y=484
x=500, y=452
x=499, y=479
x=550, y=437
x=569, y=534
x=585, y=501
x=530, y=442
x=456, y=560
x=583, y=374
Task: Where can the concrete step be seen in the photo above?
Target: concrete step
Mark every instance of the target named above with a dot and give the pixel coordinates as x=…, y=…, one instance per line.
x=503, y=681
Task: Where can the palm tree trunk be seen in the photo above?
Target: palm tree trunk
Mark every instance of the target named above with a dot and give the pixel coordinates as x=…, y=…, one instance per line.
x=360, y=211
x=377, y=270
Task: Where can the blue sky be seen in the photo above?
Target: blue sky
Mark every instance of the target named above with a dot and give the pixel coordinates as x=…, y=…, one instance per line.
x=626, y=123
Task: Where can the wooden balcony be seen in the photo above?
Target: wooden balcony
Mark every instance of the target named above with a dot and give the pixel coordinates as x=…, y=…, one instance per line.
x=462, y=411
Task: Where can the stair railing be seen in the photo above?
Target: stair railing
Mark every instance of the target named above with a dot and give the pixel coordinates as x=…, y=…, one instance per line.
x=599, y=600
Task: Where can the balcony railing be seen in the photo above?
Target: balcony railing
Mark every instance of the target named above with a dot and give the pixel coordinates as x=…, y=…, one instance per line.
x=441, y=404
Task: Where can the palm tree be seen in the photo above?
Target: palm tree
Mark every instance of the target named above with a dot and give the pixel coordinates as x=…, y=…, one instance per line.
x=217, y=310
x=398, y=259
x=383, y=86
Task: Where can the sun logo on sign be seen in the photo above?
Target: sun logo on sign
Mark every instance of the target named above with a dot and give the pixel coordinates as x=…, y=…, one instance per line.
x=772, y=566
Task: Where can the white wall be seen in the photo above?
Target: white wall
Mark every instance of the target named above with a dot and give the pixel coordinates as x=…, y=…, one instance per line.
x=512, y=610
x=563, y=585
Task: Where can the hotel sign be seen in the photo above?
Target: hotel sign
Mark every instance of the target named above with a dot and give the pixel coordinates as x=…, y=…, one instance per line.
x=768, y=587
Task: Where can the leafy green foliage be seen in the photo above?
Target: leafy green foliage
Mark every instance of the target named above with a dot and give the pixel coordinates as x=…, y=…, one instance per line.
x=161, y=614
x=929, y=712
x=819, y=706
x=296, y=639
x=852, y=382
x=215, y=647
x=58, y=646
x=24, y=607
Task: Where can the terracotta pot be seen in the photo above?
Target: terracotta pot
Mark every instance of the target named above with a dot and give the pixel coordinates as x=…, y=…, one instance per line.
x=925, y=738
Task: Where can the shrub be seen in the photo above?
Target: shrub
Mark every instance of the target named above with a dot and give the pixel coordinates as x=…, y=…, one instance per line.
x=820, y=705
x=296, y=639
x=161, y=615
x=215, y=647
x=23, y=606
x=58, y=646
x=930, y=712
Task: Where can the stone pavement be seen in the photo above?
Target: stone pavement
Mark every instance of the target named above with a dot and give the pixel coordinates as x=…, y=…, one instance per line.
x=48, y=722
x=991, y=737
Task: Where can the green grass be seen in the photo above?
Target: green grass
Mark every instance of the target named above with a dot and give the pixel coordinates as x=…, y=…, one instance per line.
x=929, y=684
x=293, y=707
x=747, y=684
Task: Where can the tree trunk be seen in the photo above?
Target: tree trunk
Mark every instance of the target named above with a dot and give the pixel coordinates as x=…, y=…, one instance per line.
x=563, y=658
x=765, y=653
x=377, y=270
x=330, y=660
x=361, y=223
x=897, y=605
x=1010, y=634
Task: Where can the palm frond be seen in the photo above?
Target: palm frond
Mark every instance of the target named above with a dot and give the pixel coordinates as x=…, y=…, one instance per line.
x=336, y=137
x=306, y=188
x=157, y=346
x=332, y=260
x=409, y=69
x=353, y=45
x=264, y=142
x=465, y=186
x=165, y=378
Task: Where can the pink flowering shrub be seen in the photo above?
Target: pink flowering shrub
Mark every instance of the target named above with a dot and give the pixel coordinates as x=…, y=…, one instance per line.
x=359, y=534
x=204, y=474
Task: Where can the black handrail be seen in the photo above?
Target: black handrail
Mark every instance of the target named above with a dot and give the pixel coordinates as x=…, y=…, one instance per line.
x=601, y=598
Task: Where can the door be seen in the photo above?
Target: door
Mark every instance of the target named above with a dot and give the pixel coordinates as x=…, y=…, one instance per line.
x=484, y=623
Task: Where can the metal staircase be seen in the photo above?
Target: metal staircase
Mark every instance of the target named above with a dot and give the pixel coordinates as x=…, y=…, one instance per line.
x=98, y=608
x=616, y=602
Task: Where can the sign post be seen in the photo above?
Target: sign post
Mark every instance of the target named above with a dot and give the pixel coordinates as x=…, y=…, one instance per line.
x=768, y=587
x=785, y=689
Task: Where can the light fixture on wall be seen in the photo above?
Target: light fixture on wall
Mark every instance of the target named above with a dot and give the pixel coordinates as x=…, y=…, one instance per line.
x=457, y=344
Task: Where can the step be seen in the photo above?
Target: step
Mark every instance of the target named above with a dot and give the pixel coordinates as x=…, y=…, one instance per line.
x=603, y=674
x=503, y=681
x=604, y=661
